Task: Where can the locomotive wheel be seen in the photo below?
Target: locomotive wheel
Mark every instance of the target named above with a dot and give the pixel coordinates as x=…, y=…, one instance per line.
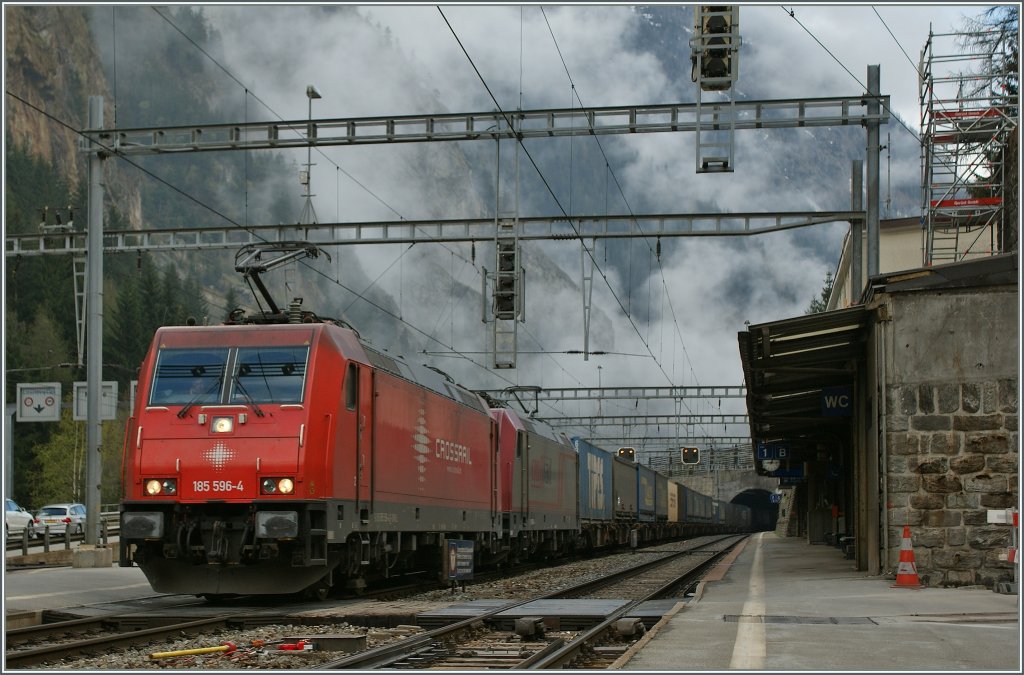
x=318, y=593
x=216, y=598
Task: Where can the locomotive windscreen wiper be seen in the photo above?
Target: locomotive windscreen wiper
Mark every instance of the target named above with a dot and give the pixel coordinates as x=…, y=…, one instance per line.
x=209, y=390
x=249, y=399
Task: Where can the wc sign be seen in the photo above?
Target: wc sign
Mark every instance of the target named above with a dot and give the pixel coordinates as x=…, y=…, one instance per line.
x=836, y=402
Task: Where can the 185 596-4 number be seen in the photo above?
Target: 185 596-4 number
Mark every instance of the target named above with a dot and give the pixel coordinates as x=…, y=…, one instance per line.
x=217, y=486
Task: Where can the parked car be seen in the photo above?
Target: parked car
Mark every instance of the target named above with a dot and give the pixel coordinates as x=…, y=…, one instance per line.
x=61, y=517
x=18, y=519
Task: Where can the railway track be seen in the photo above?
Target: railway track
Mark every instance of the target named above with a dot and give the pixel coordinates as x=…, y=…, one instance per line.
x=479, y=642
x=471, y=644
x=112, y=635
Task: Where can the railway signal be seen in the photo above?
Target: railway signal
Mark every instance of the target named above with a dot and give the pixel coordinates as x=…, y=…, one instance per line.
x=691, y=455
x=506, y=300
x=715, y=45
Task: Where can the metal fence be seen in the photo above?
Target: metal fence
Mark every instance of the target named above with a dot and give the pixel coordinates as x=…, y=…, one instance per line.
x=110, y=522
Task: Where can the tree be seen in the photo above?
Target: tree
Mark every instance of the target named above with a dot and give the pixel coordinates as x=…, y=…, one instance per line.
x=128, y=335
x=60, y=472
x=820, y=305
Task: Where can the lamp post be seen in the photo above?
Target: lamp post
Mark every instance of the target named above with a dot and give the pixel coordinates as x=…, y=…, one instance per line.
x=308, y=212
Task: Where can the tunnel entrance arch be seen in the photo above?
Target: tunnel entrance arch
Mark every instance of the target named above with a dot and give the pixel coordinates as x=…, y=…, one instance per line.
x=764, y=513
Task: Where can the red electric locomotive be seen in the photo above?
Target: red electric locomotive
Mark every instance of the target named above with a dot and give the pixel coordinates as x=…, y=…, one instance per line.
x=539, y=487
x=281, y=458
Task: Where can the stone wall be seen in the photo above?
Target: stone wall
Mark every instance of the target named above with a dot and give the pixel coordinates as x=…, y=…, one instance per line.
x=725, y=484
x=952, y=455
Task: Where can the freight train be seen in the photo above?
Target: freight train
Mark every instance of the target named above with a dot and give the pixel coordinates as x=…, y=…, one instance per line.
x=286, y=454
x=283, y=458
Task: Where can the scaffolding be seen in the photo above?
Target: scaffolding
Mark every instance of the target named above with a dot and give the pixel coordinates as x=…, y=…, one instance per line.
x=966, y=122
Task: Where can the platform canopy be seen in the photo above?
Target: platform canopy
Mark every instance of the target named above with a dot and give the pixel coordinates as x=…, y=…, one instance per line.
x=800, y=375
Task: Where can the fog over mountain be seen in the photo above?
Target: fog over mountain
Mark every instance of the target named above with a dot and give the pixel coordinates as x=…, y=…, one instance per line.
x=667, y=313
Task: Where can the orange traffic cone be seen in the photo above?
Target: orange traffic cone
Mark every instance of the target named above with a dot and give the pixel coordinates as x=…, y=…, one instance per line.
x=906, y=573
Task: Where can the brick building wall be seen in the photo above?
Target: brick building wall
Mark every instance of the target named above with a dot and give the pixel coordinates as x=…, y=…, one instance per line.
x=951, y=432
x=952, y=456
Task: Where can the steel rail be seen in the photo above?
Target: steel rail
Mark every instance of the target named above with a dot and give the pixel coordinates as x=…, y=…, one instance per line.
x=563, y=657
x=386, y=655
x=29, y=657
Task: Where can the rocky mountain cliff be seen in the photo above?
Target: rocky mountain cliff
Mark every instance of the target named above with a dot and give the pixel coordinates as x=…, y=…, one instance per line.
x=52, y=64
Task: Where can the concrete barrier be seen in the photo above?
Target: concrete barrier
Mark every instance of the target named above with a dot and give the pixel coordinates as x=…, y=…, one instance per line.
x=88, y=555
x=20, y=618
x=61, y=557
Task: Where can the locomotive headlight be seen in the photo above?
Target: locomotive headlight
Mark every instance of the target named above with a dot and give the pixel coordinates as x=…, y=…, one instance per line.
x=273, y=486
x=222, y=425
x=161, y=486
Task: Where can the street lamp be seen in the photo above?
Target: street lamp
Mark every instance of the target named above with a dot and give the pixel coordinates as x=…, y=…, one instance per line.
x=308, y=212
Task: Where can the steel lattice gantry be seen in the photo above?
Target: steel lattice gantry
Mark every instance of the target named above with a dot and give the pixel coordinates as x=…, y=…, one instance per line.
x=642, y=420
x=607, y=393
x=553, y=228
x=494, y=125
x=861, y=110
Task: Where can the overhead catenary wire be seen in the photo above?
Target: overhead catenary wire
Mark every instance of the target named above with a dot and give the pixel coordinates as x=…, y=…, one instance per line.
x=266, y=105
x=549, y=189
x=910, y=60
x=228, y=219
x=213, y=210
x=888, y=109
x=337, y=167
x=625, y=200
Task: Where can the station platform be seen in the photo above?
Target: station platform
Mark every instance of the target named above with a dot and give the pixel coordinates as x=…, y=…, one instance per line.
x=783, y=604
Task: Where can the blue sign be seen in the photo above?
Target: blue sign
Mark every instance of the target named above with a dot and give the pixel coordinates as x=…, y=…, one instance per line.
x=459, y=561
x=836, y=402
x=774, y=498
x=772, y=451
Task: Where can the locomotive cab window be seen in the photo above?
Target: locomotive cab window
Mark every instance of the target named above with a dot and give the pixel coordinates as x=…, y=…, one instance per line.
x=269, y=375
x=351, y=386
x=188, y=376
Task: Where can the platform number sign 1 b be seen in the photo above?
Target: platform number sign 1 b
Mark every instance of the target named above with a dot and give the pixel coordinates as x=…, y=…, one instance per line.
x=691, y=455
